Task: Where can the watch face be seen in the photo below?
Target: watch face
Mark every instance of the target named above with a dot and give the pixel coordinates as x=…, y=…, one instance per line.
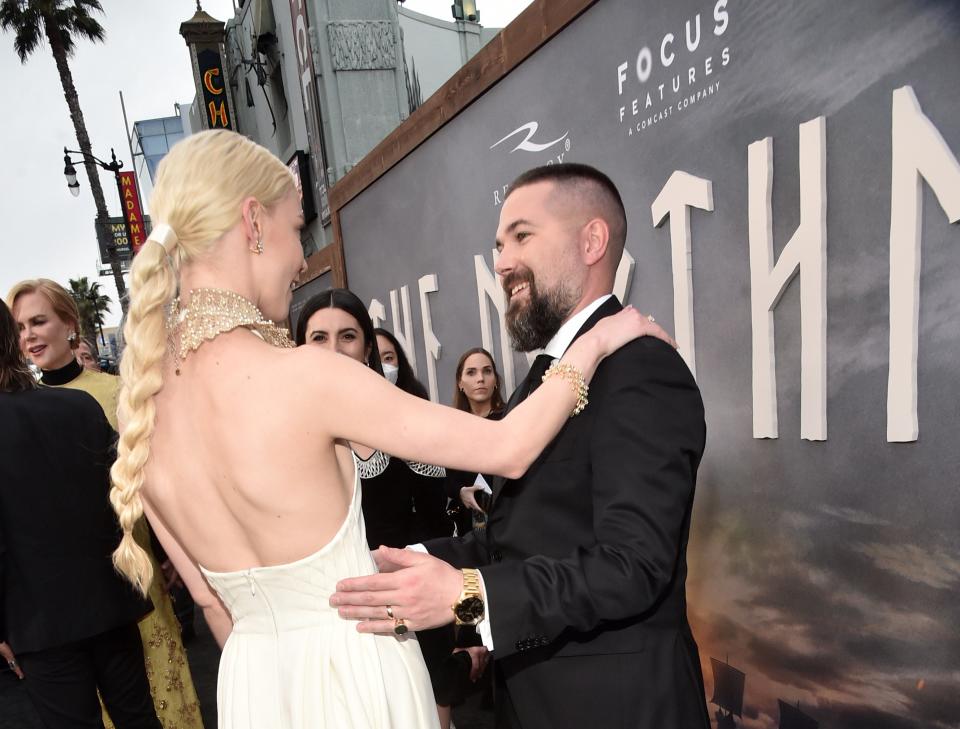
x=470, y=609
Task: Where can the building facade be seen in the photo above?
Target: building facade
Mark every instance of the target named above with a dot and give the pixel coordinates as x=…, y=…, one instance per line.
x=317, y=82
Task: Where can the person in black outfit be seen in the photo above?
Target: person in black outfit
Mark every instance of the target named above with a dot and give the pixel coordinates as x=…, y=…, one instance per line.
x=396, y=366
x=403, y=502
x=68, y=620
x=476, y=390
x=580, y=593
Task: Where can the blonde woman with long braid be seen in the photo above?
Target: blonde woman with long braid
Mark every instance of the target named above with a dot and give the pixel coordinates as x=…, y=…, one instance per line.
x=235, y=445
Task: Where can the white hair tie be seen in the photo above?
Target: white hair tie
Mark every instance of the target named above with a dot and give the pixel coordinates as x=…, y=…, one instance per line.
x=164, y=235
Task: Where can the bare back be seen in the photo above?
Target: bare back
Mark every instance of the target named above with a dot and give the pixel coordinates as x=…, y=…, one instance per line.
x=245, y=469
x=235, y=479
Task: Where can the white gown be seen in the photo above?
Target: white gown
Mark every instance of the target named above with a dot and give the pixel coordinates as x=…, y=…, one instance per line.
x=292, y=662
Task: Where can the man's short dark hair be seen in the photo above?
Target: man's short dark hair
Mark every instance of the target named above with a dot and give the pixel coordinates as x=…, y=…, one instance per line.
x=590, y=185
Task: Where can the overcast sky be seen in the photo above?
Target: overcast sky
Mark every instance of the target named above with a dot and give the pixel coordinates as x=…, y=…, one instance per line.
x=47, y=232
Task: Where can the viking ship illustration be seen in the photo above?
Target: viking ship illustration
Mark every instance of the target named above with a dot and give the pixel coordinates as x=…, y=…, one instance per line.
x=727, y=693
x=792, y=718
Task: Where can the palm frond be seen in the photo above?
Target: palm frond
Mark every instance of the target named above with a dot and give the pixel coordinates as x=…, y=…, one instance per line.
x=26, y=22
x=89, y=28
x=64, y=20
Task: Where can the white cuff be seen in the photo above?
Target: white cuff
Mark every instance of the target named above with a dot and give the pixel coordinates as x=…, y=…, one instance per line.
x=417, y=548
x=484, y=628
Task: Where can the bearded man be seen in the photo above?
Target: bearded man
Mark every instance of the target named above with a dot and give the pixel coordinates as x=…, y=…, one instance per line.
x=577, y=585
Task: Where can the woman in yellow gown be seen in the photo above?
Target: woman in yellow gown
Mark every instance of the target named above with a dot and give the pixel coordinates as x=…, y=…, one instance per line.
x=49, y=332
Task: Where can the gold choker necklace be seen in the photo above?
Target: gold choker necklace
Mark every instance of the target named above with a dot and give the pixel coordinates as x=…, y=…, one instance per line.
x=212, y=312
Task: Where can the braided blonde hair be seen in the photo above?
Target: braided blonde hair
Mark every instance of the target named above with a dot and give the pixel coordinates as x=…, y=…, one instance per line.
x=200, y=188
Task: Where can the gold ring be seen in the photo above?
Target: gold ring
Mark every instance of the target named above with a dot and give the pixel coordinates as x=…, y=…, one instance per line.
x=390, y=612
x=398, y=626
x=652, y=320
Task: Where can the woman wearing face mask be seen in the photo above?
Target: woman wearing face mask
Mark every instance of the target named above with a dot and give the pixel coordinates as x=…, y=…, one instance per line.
x=476, y=391
x=49, y=326
x=402, y=501
x=396, y=367
x=430, y=508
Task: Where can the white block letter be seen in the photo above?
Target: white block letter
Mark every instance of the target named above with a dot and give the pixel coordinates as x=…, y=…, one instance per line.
x=806, y=253
x=489, y=289
x=624, y=277
x=428, y=285
x=377, y=312
x=404, y=334
x=682, y=192
x=918, y=150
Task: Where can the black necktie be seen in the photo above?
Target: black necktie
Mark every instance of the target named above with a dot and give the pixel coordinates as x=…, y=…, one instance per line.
x=537, y=370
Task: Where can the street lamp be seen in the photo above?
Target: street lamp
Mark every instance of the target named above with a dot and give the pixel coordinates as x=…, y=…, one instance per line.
x=114, y=166
x=465, y=10
x=70, y=172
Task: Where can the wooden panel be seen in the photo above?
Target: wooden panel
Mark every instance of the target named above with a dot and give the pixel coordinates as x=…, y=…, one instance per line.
x=318, y=264
x=337, y=261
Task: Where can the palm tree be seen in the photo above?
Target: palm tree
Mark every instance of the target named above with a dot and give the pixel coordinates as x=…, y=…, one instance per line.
x=92, y=304
x=60, y=21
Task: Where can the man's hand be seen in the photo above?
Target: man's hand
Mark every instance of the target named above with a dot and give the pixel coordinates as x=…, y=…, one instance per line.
x=479, y=657
x=418, y=588
x=11, y=660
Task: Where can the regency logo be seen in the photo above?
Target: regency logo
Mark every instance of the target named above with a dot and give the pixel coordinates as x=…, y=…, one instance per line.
x=558, y=149
x=525, y=144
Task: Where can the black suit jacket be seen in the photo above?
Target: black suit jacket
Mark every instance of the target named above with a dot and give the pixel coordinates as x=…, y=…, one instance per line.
x=584, y=558
x=57, y=528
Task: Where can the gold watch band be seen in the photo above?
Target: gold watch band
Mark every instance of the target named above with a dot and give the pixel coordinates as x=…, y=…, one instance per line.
x=471, y=583
x=469, y=608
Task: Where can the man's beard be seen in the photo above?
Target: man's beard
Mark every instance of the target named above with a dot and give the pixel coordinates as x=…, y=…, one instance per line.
x=533, y=325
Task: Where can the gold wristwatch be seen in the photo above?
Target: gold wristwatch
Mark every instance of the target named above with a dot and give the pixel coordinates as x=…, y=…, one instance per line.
x=469, y=608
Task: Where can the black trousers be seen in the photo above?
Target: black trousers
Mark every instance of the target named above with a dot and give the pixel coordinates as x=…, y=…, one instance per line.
x=62, y=682
x=505, y=716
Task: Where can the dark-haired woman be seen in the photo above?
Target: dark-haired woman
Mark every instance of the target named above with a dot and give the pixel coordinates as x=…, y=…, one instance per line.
x=403, y=502
x=477, y=391
x=57, y=530
x=396, y=366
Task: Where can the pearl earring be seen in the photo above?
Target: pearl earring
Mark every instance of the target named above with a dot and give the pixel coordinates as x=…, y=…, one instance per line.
x=259, y=248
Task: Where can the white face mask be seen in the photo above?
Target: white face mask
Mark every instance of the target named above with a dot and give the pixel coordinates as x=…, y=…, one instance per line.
x=391, y=373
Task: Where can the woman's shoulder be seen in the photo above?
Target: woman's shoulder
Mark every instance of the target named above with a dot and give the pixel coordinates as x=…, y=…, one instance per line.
x=102, y=379
x=104, y=388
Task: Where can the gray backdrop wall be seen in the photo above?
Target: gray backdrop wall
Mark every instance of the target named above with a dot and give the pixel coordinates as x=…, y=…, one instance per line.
x=827, y=570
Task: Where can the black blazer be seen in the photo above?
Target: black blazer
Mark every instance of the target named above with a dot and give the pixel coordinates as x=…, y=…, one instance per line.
x=57, y=528
x=584, y=558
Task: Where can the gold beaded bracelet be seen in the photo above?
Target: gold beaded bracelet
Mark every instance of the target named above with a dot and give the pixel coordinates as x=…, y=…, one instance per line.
x=575, y=377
